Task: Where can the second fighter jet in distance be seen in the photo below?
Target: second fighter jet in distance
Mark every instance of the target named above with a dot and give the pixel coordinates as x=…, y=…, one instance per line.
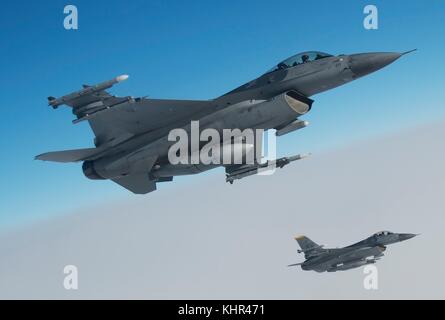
x=362, y=253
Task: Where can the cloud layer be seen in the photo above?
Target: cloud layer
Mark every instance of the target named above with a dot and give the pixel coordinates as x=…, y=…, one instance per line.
x=204, y=239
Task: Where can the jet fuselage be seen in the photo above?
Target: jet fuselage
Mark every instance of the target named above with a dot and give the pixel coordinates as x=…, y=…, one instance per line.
x=133, y=135
x=367, y=251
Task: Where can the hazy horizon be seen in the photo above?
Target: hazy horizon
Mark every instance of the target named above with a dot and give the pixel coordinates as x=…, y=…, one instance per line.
x=209, y=240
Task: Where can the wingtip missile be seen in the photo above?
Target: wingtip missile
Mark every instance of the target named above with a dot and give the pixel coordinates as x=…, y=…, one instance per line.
x=86, y=91
x=300, y=157
x=250, y=170
x=122, y=78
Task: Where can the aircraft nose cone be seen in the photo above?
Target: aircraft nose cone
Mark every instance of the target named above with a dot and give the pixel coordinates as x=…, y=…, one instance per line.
x=406, y=236
x=366, y=63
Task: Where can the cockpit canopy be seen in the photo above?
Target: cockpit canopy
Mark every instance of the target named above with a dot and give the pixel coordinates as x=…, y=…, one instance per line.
x=383, y=233
x=300, y=58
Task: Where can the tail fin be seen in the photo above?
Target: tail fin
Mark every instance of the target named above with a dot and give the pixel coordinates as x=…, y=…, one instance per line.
x=305, y=243
x=308, y=247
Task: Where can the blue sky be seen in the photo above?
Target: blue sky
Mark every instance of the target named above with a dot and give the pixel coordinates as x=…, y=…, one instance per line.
x=197, y=50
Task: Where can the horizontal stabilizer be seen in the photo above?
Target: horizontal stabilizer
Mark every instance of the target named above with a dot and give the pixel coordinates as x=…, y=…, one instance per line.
x=69, y=155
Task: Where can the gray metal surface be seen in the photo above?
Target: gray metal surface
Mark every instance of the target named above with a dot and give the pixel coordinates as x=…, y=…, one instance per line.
x=131, y=134
x=367, y=251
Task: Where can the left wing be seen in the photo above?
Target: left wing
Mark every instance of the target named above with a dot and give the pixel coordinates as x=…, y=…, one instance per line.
x=116, y=118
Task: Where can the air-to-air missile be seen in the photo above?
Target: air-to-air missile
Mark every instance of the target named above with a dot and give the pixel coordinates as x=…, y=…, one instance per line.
x=87, y=90
x=245, y=171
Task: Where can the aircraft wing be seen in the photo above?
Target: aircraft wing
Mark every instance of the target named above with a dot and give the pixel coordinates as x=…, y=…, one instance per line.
x=147, y=115
x=116, y=118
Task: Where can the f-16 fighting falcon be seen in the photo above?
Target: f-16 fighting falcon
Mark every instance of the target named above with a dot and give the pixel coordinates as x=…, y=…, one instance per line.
x=132, y=134
x=362, y=253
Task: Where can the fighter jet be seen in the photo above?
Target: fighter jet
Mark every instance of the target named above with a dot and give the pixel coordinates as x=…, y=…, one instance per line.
x=365, y=252
x=132, y=134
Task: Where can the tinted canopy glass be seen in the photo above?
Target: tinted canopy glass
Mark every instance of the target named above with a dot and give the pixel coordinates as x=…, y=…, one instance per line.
x=383, y=233
x=300, y=58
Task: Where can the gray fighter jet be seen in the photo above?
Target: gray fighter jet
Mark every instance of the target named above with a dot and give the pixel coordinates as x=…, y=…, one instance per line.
x=131, y=134
x=362, y=253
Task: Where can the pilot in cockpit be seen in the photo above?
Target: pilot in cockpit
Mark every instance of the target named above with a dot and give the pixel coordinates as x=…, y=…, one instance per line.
x=282, y=66
x=305, y=58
